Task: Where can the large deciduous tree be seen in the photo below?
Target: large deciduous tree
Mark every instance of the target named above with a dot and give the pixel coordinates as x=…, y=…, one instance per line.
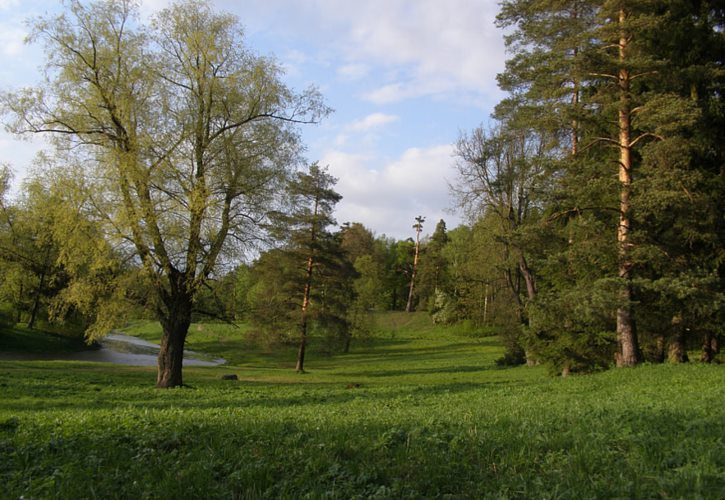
x=183, y=134
x=501, y=179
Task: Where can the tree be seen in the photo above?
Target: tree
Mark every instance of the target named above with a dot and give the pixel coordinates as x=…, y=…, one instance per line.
x=418, y=226
x=357, y=241
x=186, y=134
x=29, y=247
x=623, y=92
x=545, y=73
x=501, y=179
x=397, y=259
x=432, y=281
x=308, y=240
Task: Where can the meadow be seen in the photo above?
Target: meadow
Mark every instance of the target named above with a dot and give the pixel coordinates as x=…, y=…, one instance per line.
x=415, y=411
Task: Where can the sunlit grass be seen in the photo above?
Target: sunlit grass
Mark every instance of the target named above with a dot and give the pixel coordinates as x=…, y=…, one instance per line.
x=417, y=411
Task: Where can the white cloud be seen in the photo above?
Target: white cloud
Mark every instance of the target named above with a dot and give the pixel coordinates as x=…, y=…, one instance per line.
x=444, y=46
x=386, y=198
x=371, y=121
x=389, y=93
x=352, y=72
x=365, y=130
x=434, y=47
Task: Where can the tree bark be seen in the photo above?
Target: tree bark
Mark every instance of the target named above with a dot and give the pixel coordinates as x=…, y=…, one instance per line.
x=677, y=352
x=418, y=227
x=300, y=367
x=347, y=341
x=528, y=277
x=628, y=353
x=710, y=348
x=175, y=326
x=36, y=300
x=659, y=354
x=19, y=308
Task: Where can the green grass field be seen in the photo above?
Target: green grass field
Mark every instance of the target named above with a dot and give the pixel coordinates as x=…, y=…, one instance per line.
x=417, y=411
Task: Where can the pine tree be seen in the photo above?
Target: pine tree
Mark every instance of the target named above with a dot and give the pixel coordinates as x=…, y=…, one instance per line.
x=418, y=226
x=308, y=241
x=620, y=94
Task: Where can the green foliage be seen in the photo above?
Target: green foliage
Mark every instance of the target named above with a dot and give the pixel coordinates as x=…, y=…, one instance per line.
x=180, y=137
x=633, y=88
x=305, y=284
x=418, y=412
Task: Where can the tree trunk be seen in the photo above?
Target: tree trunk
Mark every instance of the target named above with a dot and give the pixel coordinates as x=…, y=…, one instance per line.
x=36, y=301
x=659, y=354
x=710, y=348
x=171, y=355
x=409, y=305
x=19, y=311
x=346, y=345
x=628, y=353
x=300, y=367
x=528, y=277
x=485, y=306
x=677, y=353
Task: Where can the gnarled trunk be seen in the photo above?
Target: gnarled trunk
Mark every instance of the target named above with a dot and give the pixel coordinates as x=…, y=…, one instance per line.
x=175, y=327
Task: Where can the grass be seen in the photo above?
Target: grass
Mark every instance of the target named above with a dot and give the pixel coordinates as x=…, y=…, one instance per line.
x=418, y=411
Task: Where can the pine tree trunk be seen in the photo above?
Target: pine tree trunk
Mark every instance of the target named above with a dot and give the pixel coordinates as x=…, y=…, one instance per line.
x=628, y=353
x=300, y=367
x=659, y=354
x=710, y=348
x=409, y=305
x=175, y=328
x=677, y=353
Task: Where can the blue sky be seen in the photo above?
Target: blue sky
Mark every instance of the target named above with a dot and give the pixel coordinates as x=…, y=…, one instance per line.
x=405, y=77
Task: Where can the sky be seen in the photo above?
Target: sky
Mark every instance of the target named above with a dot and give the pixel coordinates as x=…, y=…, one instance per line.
x=405, y=78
